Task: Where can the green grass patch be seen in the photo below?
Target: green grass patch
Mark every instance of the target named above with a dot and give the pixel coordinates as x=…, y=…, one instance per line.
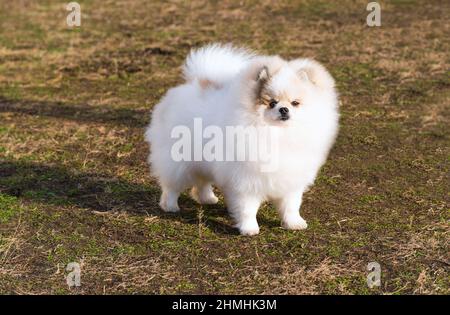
x=9, y=207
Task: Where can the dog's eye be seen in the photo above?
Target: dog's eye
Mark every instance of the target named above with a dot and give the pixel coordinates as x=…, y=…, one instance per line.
x=273, y=103
x=295, y=103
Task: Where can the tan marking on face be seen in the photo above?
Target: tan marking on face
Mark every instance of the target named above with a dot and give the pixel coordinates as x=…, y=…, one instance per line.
x=267, y=97
x=262, y=94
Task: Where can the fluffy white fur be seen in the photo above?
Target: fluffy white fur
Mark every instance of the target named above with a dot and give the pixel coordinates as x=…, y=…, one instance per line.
x=228, y=86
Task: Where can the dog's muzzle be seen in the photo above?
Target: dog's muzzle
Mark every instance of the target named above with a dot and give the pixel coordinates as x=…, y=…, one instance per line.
x=284, y=113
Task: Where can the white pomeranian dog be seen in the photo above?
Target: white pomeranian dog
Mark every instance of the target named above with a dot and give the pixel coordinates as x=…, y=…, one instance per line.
x=231, y=87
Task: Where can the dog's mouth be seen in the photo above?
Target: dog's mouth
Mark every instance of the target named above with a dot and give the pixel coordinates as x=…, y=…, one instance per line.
x=284, y=117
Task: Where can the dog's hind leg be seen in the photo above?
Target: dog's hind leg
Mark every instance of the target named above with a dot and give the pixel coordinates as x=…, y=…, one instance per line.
x=203, y=193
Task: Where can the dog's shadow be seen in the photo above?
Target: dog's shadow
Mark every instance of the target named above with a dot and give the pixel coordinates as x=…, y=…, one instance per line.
x=57, y=185
x=76, y=112
x=52, y=184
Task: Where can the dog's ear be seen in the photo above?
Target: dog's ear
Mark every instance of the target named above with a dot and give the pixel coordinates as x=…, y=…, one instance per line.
x=311, y=70
x=263, y=74
x=303, y=75
x=261, y=79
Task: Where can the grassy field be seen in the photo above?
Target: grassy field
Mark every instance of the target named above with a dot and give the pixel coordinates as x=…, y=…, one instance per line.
x=75, y=187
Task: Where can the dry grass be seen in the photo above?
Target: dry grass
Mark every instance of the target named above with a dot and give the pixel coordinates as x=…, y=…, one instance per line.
x=74, y=184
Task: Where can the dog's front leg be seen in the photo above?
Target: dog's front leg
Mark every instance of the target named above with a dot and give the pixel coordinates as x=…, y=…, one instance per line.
x=289, y=210
x=243, y=209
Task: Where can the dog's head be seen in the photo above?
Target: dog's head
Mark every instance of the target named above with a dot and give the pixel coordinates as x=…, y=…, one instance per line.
x=281, y=90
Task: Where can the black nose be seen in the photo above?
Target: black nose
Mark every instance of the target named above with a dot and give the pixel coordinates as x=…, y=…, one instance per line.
x=284, y=110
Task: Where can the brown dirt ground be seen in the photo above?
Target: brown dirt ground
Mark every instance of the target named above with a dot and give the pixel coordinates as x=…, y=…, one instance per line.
x=74, y=185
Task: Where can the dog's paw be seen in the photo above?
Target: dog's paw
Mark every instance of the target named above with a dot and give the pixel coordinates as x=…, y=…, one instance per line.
x=207, y=198
x=248, y=228
x=295, y=224
x=210, y=200
x=249, y=231
x=166, y=208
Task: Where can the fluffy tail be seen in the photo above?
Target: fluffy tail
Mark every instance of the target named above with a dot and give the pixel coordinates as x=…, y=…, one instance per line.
x=215, y=64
